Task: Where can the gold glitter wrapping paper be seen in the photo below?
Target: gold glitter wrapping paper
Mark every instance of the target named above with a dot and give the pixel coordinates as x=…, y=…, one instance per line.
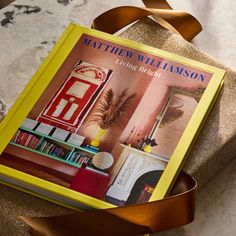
x=214, y=148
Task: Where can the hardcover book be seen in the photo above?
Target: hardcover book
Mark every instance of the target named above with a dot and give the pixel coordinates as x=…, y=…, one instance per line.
x=104, y=121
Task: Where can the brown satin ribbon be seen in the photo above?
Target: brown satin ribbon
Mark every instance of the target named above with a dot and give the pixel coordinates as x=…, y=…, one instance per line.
x=179, y=22
x=138, y=219
x=173, y=211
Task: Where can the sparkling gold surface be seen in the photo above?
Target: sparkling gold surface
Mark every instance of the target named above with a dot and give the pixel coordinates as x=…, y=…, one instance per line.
x=14, y=203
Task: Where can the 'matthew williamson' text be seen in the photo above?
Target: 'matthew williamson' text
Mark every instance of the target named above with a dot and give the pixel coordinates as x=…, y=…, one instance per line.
x=157, y=62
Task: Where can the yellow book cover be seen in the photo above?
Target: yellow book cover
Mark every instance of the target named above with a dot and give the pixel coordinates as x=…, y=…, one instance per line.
x=104, y=121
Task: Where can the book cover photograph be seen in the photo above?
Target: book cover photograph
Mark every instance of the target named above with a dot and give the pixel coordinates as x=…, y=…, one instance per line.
x=109, y=121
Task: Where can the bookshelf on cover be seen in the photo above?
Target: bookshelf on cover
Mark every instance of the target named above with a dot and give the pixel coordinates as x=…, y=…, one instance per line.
x=54, y=148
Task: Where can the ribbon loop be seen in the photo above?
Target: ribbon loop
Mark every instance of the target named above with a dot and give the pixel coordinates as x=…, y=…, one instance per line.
x=173, y=211
x=178, y=22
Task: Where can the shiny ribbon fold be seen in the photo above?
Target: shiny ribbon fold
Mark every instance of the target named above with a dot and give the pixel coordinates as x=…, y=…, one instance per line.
x=173, y=211
x=178, y=22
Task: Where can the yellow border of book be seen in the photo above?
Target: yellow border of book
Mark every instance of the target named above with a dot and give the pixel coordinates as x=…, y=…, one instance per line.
x=48, y=69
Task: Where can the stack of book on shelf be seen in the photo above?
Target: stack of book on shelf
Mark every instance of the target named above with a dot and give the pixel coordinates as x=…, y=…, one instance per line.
x=26, y=139
x=40, y=144
x=51, y=148
x=80, y=158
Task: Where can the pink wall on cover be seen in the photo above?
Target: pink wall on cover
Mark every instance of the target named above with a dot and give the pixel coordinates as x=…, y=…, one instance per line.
x=151, y=91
